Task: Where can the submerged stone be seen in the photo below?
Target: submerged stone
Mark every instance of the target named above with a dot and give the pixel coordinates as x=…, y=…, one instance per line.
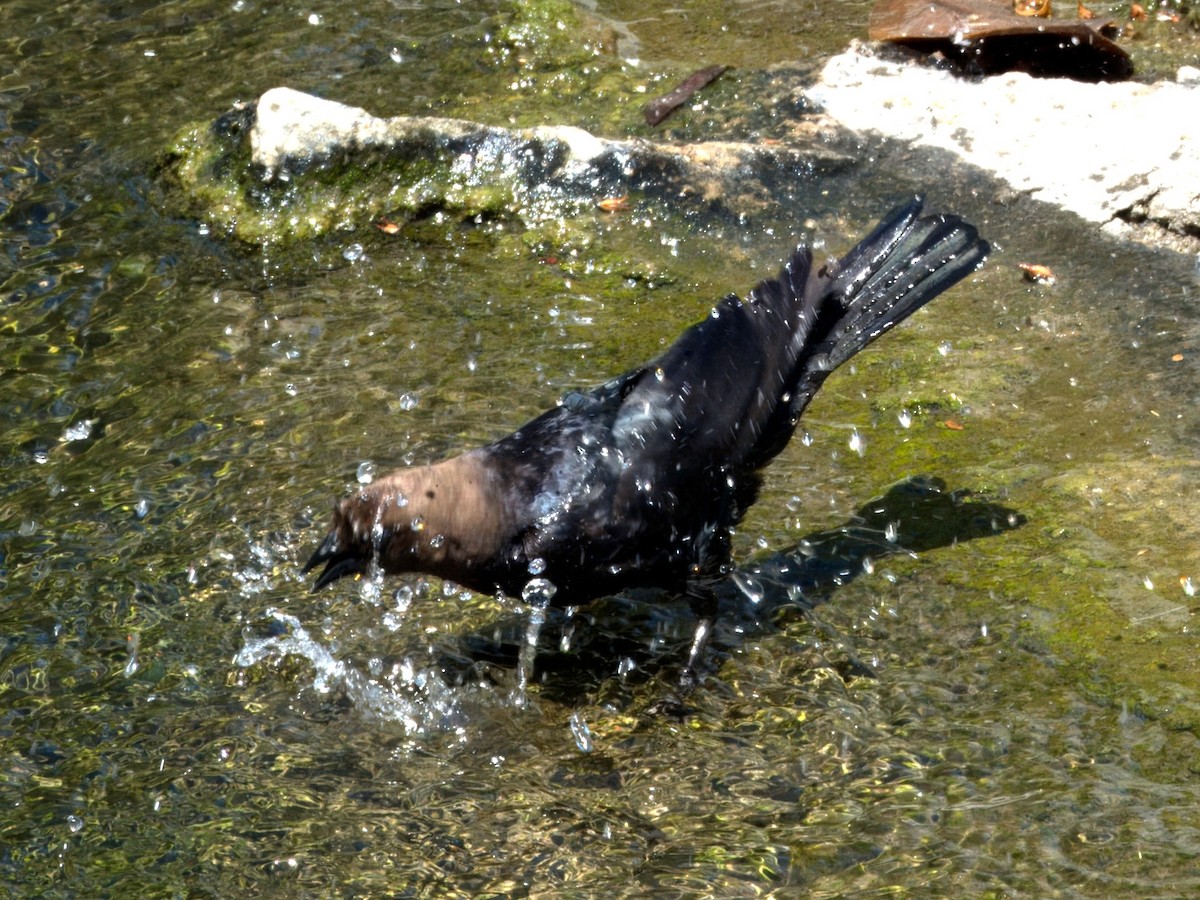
x=294, y=166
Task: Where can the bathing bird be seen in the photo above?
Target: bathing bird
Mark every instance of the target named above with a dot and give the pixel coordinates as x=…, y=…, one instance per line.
x=638, y=482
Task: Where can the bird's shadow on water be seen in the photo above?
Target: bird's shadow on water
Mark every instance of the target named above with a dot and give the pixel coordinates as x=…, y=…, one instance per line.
x=642, y=633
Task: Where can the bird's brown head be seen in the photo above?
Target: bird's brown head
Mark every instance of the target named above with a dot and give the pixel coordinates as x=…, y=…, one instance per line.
x=373, y=524
x=441, y=520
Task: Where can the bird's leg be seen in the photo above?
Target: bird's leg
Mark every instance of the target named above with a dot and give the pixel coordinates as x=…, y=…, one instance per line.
x=703, y=600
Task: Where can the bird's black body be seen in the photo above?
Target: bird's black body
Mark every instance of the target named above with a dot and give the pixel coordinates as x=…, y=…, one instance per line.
x=638, y=482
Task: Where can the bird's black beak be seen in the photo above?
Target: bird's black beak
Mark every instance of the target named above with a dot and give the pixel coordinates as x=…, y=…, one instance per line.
x=338, y=563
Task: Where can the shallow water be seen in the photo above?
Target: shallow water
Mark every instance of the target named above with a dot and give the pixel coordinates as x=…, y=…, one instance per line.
x=1011, y=709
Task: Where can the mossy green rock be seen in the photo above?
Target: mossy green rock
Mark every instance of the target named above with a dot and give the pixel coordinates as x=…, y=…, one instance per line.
x=294, y=166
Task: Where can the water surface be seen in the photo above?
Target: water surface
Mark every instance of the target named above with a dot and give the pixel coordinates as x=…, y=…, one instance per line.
x=1013, y=713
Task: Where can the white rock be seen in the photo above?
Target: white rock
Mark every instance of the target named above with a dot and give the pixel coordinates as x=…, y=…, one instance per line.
x=1095, y=149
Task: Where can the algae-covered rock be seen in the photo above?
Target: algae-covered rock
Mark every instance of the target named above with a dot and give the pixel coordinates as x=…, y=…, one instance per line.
x=294, y=166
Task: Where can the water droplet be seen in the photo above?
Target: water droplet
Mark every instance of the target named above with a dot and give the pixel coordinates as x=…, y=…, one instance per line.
x=366, y=472
x=579, y=730
x=75, y=823
x=41, y=457
x=1148, y=583
x=408, y=400
x=314, y=19
x=568, y=632
x=905, y=418
x=353, y=253
x=539, y=591
x=806, y=439
x=945, y=347
x=892, y=531
x=750, y=586
x=868, y=565
x=141, y=508
x=625, y=666
x=436, y=541
x=132, y=664
x=1188, y=587
x=80, y=431
x=537, y=566
x=858, y=443
x=395, y=55
x=403, y=598
x=417, y=524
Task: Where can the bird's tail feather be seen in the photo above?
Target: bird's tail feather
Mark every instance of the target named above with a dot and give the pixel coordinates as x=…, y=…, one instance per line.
x=906, y=261
x=898, y=268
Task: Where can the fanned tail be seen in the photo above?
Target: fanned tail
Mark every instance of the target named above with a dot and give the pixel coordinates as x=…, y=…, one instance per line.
x=898, y=268
x=906, y=261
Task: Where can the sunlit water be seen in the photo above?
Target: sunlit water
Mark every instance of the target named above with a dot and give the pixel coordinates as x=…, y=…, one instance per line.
x=996, y=694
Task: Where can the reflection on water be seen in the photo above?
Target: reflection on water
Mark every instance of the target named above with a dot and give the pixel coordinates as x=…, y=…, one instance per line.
x=1002, y=706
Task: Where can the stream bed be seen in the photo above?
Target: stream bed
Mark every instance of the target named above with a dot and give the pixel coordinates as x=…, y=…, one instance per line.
x=959, y=655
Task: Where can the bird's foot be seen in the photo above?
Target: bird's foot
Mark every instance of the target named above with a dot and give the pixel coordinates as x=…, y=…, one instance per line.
x=668, y=707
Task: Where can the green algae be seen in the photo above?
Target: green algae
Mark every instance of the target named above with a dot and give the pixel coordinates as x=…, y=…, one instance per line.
x=210, y=165
x=551, y=35
x=1024, y=731
x=543, y=57
x=210, y=169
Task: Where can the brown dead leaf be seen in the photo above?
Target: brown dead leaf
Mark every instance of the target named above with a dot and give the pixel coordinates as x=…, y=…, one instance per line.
x=614, y=204
x=1038, y=273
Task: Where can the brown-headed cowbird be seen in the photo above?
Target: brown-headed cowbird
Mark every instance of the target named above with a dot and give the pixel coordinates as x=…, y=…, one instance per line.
x=638, y=482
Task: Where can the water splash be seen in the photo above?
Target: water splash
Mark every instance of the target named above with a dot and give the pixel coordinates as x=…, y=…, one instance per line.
x=538, y=593
x=79, y=431
x=580, y=731
x=416, y=699
x=568, y=631
x=749, y=585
